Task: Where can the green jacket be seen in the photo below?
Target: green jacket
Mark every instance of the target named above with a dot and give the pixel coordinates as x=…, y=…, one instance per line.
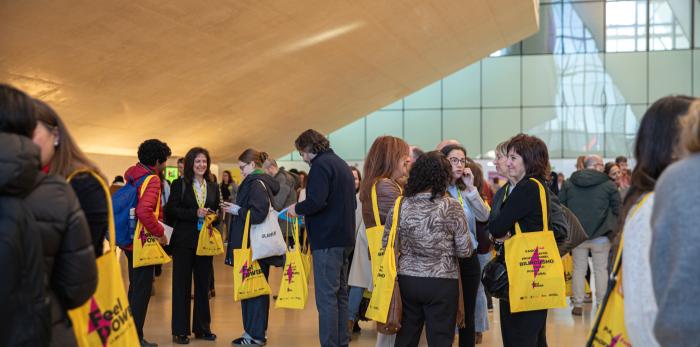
x=594, y=199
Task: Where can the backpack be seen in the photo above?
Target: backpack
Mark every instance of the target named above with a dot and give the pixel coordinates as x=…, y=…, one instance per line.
x=124, y=201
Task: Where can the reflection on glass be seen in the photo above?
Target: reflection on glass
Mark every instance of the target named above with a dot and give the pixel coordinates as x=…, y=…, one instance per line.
x=669, y=25
x=548, y=39
x=545, y=123
x=625, y=26
x=582, y=27
x=584, y=130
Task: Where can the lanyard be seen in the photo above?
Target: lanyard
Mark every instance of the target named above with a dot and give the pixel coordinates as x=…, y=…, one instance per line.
x=459, y=194
x=200, y=194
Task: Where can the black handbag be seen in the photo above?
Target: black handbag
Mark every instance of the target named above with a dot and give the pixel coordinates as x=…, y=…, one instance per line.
x=495, y=276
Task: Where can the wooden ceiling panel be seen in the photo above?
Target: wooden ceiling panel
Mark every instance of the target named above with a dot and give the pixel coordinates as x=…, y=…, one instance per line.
x=239, y=73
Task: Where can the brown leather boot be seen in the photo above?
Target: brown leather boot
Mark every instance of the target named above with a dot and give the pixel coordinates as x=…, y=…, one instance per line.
x=577, y=311
x=351, y=324
x=479, y=338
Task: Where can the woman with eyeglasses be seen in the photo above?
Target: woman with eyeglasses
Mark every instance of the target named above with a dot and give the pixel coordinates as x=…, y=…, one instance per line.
x=253, y=195
x=463, y=190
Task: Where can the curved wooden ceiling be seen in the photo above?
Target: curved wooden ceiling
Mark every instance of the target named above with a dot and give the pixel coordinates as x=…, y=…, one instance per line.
x=233, y=74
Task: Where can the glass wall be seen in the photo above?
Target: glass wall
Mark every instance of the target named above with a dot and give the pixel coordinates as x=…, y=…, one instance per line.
x=582, y=83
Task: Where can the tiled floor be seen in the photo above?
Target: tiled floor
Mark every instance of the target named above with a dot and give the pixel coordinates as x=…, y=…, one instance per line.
x=300, y=328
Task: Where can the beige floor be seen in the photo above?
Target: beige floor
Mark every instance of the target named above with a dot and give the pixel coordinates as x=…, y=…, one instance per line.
x=300, y=328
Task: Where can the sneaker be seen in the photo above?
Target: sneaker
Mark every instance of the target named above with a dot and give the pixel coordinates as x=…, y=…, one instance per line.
x=145, y=343
x=577, y=311
x=244, y=341
x=588, y=299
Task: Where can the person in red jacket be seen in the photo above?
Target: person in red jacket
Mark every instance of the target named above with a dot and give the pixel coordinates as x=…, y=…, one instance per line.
x=153, y=155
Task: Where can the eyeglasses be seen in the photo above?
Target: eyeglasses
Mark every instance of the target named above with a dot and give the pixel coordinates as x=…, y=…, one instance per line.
x=457, y=161
x=241, y=167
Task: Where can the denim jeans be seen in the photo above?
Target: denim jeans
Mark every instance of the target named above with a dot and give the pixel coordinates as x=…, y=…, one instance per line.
x=331, y=287
x=599, y=248
x=354, y=301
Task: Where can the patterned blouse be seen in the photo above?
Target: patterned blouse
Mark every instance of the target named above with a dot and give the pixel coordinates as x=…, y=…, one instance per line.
x=431, y=236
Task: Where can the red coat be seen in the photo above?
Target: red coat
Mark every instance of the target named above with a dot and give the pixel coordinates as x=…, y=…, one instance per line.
x=147, y=203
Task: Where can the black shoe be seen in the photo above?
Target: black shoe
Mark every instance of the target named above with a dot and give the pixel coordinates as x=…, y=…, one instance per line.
x=181, y=339
x=145, y=343
x=356, y=328
x=206, y=336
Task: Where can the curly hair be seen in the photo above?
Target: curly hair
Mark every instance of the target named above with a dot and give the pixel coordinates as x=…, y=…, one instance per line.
x=152, y=152
x=431, y=171
x=312, y=141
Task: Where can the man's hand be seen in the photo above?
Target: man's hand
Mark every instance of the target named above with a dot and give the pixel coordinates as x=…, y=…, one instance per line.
x=163, y=240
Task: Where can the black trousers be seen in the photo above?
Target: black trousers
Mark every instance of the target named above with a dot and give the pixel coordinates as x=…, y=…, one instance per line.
x=140, y=285
x=432, y=301
x=186, y=264
x=471, y=277
x=523, y=329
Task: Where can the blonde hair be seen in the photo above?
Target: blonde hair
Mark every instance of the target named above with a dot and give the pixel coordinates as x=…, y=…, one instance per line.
x=690, y=123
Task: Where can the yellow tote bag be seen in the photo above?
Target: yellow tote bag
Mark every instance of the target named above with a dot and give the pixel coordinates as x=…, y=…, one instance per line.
x=535, y=270
x=209, y=242
x=568, y=263
x=385, y=280
x=105, y=319
x=609, y=328
x=147, y=249
x=374, y=236
x=248, y=278
x=294, y=290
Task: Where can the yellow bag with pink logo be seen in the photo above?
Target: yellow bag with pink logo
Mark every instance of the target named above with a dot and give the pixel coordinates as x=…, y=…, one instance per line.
x=535, y=270
x=105, y=319
x=294, y=290
x=248, y=279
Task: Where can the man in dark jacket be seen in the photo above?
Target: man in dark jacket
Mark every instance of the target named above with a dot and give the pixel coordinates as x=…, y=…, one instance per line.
x=25, y=315
x=595, y=200
x=329, y=213
x=69, y=259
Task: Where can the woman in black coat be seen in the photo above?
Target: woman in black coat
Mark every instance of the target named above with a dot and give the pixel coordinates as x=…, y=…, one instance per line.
x=253, y=195
x=527, y=158
x=192, y=198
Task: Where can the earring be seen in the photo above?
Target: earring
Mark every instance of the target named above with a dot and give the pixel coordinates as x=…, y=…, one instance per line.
x=55, y=143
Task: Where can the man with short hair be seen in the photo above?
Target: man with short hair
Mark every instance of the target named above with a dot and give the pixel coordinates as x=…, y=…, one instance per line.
x=152, y=154
x=329, y=213
x=595, y=200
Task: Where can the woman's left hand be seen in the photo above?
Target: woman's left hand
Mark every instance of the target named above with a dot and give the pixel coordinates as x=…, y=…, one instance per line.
x=468, y=179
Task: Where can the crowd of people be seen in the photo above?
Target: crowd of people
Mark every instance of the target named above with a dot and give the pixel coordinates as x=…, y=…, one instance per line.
x=449, y=221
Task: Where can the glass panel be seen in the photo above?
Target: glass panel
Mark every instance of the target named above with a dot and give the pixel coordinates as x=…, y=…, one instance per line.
x=501, y=81
x=428, y=97
x=541, y=80
x=287, y=157
x=669, y=24
x=499, y=124
x=515, y=49
x=344, y=140
x=583, y=130
x=423, y=128
x=465, y=127
x=397, y=105
x=669, y=73
x=625, y=26
x=463, y=88
x=621, y=125
x=545, y=123
x=696, y=72
x=583, y=79
x=582, y=29
x=383, y=123
x=697, y=23
x=548, y=39
x=628, y=73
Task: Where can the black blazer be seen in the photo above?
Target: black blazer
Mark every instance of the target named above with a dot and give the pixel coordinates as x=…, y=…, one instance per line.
x=181, y=210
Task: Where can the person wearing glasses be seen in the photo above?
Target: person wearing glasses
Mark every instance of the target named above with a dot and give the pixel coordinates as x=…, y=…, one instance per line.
x=254, y=195
x=463, y=190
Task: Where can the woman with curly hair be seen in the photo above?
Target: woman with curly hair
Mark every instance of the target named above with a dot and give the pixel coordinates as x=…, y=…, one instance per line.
x=431, y=234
